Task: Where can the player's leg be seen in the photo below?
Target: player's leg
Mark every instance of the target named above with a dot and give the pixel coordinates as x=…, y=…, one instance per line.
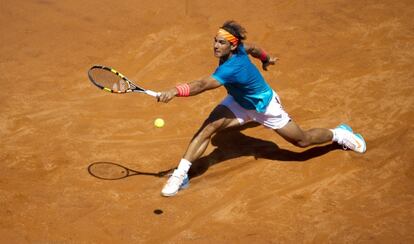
x=277, y=119
x=295, y=135
x=342, y=134
x=220, y=118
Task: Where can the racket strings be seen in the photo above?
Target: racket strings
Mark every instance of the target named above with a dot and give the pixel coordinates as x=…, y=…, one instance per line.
x=109, y=80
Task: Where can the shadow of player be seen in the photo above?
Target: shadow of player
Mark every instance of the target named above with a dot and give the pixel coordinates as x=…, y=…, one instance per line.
x=232, y=143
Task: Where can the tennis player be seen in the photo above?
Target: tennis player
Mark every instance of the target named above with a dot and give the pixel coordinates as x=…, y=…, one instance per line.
x=250, y=98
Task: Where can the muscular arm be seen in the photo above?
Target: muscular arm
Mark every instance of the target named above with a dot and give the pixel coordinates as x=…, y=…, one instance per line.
x=259, y=53
x=196, y=87
x=253, y=50
x=202, y=85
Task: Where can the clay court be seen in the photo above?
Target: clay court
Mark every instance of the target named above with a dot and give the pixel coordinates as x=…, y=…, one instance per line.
x=340, y=62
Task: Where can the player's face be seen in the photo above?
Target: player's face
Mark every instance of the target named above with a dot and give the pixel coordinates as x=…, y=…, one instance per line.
x=222, y=47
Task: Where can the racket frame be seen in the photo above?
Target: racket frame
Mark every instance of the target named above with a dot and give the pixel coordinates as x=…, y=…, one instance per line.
x=132, y=87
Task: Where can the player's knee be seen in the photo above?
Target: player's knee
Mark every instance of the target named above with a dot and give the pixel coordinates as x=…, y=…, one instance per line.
x=209, y=129
x=302, y=142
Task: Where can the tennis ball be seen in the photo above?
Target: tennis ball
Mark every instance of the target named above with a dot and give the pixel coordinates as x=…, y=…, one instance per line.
x=159, y=123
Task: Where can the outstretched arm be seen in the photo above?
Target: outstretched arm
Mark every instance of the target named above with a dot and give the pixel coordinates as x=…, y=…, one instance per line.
x=259, y=53
x=190, y=89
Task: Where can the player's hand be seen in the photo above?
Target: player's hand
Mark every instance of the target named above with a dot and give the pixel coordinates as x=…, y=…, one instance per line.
x=272, y=61
x=166, y=96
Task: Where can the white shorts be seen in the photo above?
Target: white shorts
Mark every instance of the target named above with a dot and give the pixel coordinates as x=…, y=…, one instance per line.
x=274, y=117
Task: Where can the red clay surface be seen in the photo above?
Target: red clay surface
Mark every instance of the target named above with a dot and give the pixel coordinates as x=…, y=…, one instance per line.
x=340, y=61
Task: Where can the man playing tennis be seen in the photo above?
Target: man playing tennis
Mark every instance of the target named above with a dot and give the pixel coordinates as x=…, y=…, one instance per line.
x=249, y=98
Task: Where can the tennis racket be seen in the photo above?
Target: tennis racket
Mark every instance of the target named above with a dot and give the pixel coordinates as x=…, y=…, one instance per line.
x=114, y=171
x=110, y=80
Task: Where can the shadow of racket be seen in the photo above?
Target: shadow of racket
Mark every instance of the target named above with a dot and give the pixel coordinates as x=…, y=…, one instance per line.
x=114, y=171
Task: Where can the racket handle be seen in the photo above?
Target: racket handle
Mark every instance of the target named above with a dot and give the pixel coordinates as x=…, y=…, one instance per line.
x=152, y=93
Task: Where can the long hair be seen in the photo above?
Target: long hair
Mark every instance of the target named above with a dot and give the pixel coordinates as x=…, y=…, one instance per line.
x=235, y=29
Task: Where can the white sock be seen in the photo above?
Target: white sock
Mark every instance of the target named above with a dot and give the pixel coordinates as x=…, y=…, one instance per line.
x=184, y=165
x=334, y=135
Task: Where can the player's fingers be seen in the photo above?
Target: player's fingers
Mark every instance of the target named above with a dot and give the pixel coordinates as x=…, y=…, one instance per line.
x=161, y=97
x=165, y=97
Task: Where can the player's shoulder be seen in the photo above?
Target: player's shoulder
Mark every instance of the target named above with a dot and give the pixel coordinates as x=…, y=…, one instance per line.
x=226, y=69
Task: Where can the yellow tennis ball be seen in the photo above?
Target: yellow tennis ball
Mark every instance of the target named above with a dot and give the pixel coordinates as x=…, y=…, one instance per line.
x=159, y=123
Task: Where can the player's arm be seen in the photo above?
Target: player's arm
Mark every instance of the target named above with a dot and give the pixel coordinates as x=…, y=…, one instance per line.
x=259, y=53
x=189, y=89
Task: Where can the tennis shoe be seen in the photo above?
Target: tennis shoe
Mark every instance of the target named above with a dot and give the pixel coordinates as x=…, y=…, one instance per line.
x=177, y=181
x=345, y=127
x=349, y=140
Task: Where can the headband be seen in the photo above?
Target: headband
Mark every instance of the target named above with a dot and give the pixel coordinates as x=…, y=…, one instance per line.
x=229, y=37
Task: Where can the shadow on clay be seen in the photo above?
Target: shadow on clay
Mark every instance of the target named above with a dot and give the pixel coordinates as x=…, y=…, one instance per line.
x=231, y=143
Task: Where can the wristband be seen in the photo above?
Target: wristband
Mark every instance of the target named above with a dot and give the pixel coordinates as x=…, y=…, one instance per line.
x=263, y=57
x=183, y=90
